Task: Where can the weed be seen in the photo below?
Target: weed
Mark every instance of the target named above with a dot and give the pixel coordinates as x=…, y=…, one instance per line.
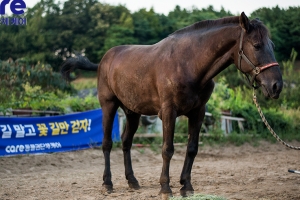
x=117, y=145
x=199, y=197
x=142, y=151
x=84, y=83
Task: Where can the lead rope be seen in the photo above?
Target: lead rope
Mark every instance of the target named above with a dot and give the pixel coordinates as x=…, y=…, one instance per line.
x=268, y=126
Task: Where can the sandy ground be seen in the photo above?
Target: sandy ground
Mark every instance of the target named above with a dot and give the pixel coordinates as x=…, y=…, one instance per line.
x=244, y=172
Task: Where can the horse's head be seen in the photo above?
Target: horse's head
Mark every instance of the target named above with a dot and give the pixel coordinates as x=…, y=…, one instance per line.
x=256, y=57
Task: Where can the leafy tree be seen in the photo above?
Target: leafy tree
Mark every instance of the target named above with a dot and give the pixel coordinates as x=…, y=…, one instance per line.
x=146, y=26
x=118, y=35
x=179, y=17
x=55, y=30
x=284, y=28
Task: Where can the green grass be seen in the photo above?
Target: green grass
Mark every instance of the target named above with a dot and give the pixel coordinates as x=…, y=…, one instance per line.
x=200, y=197
x=84, y=83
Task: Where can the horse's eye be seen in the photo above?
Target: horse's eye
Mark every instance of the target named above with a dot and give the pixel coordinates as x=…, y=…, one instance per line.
x=257, y=46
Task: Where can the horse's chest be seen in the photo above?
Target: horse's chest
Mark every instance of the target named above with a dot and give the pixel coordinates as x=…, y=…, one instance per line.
x=186, y=101
x=190, y=98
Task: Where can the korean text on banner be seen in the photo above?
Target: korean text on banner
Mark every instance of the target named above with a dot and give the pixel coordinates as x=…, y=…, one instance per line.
x=53, y=134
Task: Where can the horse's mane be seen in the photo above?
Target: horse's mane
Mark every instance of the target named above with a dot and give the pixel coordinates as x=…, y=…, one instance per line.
x=207, y=24
x=256, y=24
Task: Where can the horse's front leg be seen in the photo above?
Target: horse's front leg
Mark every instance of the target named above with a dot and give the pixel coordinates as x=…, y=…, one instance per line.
x=168, y=116
x=195, y=121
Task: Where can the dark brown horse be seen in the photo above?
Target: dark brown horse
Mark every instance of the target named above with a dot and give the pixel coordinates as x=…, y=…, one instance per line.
x=175, y=77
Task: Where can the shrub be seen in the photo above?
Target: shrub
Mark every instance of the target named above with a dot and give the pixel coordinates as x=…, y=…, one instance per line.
x=77, y=104
x=15, y=75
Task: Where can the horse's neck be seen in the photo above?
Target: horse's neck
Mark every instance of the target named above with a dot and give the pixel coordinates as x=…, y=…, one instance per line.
x=219, y=48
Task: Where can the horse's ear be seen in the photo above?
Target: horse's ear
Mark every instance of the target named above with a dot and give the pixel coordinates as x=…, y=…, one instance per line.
x=244, y=22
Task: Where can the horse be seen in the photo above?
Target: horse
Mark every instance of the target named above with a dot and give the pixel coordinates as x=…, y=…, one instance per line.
x=174, y=77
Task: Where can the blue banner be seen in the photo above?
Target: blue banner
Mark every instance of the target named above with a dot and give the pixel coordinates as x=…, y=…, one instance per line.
x=20, y=135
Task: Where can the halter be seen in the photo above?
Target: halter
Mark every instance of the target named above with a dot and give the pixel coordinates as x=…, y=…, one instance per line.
x=256, y=70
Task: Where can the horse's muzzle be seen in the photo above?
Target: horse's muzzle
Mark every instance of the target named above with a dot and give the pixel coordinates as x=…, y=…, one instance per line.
x=272, y=90
x=277, y=88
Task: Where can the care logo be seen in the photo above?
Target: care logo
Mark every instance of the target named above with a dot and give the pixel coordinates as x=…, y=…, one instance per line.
x=17, y=7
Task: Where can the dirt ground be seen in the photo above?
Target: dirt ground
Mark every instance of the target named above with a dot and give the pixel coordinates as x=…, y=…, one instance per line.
x=244, y=172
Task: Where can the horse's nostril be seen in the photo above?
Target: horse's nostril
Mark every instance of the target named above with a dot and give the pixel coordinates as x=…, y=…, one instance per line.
x=275, y=87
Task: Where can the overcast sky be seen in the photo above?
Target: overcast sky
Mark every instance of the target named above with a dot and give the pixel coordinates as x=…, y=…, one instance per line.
x=165, y=6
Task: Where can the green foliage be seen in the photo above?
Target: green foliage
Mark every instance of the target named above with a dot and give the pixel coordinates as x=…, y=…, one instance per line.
x=284, y=28
x=84, y=83
x=221, y=95
x=146, y=26
x=117, y=145
x=291, y=91
x=234, y=78
x=183, y=17
x=118, y=35
x=155, y=143
x=36, y=99
x=181, y=125
x=38, y=87
x=55, y=30
x=200, y=197
x=16, y=75
x=240, y=139
x=239, y=101
x=77, y=104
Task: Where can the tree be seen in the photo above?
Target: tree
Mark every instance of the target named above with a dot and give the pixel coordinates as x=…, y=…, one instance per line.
x=147, y=26
x=54, y=31
x=121, y=33
x=284, y=28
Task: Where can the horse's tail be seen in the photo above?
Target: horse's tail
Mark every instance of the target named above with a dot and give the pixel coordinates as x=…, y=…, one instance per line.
x=78, y=62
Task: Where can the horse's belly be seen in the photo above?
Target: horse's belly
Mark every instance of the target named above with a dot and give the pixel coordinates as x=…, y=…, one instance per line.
x=140, y=104
x=138, y=97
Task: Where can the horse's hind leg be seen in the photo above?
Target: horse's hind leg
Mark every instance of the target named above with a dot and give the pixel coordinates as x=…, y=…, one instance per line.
x=109, y=108
x=132, y=122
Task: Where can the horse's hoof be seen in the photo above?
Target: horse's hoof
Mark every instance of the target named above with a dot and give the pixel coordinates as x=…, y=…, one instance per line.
x=134, y=185
x=166, y=196
x=108, y=188
x=186, y=193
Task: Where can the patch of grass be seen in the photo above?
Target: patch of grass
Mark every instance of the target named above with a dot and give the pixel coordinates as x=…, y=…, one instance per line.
x=200, y=197
x=84, y=83
x=94, y=144
x=239, y=139
x=117, y=145
x=156, y=145
x=180, y=138
x=142, y=151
